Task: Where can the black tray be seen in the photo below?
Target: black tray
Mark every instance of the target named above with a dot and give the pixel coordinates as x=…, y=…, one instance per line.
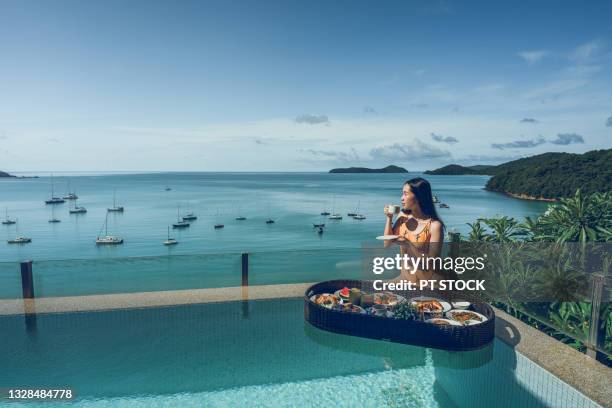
x=416, y=332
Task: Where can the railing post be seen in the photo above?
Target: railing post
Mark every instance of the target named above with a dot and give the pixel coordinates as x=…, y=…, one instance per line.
x=27, y=281
x=245, y=269
x=245, y=285
x=455, y=238
x=596, y=293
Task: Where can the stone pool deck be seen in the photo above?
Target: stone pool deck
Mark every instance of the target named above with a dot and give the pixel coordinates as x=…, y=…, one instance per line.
x=583, y=373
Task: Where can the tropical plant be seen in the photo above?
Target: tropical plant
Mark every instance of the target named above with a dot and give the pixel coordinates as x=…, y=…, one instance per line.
x=577, y=219
x=503, y=229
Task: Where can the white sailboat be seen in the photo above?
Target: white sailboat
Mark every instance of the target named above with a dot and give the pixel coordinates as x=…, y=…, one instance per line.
x=115, y=208
x=7, y=220
x=71, y=195
x=19, y=239
x=170, y=241
x=358, y=215
x=108, y=239
x=335, y=215
x=54, y=199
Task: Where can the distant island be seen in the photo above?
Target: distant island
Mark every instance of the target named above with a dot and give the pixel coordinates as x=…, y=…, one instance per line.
x=456, y=170
x=547, y=176
x=388, y=169
x=3, y=174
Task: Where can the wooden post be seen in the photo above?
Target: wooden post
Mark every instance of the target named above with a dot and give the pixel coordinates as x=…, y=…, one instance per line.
x=591, y=343
x=27, y=281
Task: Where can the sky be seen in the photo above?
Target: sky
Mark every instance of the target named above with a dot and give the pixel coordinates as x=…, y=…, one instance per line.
x=299, y=85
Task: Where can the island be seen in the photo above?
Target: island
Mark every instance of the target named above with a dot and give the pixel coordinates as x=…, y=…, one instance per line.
x=456, y=170
x=547, y=176
x=551, y=176
x=3, y=174
x=388, y=169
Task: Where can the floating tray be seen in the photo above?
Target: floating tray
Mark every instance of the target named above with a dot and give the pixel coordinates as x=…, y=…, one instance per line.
x=415, y=332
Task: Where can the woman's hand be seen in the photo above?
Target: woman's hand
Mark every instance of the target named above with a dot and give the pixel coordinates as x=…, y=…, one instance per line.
x=389, y=215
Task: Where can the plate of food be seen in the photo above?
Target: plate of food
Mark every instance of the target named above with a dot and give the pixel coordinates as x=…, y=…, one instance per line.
x=387, y=299
x=349, y=307
x=430, y=304
x=442, y=322
x=466, y=317
x=326, y=300
x=387, y=237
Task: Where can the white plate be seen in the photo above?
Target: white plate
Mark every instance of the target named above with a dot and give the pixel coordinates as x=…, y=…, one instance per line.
x=387, y=237
x=312, y=299
x=461, y=305
x=470, y=322
x=449, y=321
x=445, y=305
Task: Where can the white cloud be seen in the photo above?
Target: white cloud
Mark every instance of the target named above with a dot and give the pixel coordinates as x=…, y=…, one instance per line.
x=532, y=57
x=586, y=51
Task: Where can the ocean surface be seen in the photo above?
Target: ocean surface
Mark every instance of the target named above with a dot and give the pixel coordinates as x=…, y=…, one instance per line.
x=67, y=261
x=293, y=200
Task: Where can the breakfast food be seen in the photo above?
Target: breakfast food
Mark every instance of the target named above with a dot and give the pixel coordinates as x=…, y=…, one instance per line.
x=327, y=300
x=466, y=316
x=428, y=306
x=387, y=299
x=344, y=293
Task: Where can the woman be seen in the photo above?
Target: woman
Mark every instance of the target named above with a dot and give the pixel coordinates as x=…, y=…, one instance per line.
x=419, y=225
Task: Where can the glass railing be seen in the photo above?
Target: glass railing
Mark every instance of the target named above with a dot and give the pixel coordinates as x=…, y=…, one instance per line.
x=586, y=320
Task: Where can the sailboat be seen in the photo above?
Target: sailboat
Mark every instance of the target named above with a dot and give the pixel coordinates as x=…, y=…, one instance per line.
x=334, y=215
x=53, y=199
x=179, y=223
x=190, y=216
x=19, y=239
x=70, y=195
x=269, y=220
x=115, y=208
x=218, y=225
x=53, y=220
x=7, y=220
x=240, y=217
x=170, y=241
x=77, y=209
x=357, y=215
x=108, y=239
x=325, y=213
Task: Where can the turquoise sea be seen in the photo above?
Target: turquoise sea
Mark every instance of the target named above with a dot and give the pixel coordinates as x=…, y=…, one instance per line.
x=287, y=251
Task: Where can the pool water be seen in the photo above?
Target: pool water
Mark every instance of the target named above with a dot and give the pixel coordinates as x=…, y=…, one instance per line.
x=259, y=353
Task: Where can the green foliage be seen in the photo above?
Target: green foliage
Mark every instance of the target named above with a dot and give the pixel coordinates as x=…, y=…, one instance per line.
x=404, y=310
x=556, y=271
x=582, y=218
x=555, y=175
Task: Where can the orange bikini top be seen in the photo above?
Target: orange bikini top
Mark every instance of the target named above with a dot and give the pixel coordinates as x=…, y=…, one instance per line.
x=423, y=236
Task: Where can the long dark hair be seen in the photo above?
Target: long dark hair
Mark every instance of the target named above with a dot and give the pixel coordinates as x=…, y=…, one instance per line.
x=422, y=191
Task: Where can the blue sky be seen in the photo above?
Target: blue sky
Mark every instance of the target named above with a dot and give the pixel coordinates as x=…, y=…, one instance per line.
x=299, y=86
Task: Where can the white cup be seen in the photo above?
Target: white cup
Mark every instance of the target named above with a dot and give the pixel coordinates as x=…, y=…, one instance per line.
x=393, y=209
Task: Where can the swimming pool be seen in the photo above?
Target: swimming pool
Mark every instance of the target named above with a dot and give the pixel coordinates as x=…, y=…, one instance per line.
x=259, y=353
